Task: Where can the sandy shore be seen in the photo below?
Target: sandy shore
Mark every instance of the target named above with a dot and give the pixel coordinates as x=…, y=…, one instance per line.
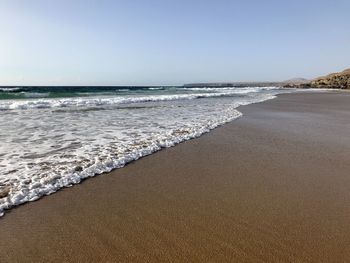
x=272, y=186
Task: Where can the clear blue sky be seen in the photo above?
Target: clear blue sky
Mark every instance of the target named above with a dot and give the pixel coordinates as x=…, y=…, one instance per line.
x=130, y=42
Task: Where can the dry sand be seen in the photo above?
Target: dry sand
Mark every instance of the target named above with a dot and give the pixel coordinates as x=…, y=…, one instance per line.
x=272, y=186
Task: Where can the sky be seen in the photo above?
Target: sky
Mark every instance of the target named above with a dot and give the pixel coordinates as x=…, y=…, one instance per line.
x=163, y=42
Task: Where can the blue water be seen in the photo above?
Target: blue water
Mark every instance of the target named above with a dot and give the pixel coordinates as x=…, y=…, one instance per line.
x=28, y=92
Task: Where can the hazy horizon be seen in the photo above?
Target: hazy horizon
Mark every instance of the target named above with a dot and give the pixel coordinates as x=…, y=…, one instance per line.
x=134, y=43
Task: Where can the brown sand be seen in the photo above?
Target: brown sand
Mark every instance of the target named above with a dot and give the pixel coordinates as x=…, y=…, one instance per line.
x=273, y=186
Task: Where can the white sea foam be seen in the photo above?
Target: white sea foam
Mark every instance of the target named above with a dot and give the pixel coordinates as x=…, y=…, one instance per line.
x=155, y=88
x=35, y=94
x=56, y=143
x=9, y=89
x=233, y=89
x=112, y=100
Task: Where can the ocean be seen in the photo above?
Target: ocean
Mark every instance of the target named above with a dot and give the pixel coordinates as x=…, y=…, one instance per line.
x=54, y=137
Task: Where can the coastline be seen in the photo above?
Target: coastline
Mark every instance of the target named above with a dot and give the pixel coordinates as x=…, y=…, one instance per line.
x=270, y=186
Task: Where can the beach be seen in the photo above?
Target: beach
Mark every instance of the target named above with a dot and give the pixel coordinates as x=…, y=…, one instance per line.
x=271, y=186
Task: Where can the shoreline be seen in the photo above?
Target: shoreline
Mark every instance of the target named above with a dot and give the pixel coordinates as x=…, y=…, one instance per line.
x=61, y=182
x=269, y=186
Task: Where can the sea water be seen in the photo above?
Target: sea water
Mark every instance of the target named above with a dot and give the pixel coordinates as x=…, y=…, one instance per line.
x=54, y=137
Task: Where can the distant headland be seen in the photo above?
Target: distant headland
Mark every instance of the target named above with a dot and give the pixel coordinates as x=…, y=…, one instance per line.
x=340, y=80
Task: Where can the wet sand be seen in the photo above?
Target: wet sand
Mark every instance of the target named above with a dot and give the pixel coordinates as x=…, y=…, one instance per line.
x=272, y=186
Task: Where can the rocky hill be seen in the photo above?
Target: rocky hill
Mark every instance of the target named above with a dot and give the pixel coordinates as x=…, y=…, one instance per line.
x=340, y=80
